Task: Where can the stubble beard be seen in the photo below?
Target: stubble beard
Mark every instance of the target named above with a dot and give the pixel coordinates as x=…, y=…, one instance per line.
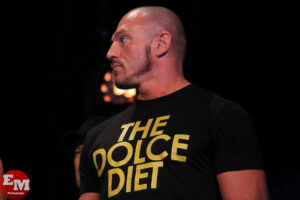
x=127, y=82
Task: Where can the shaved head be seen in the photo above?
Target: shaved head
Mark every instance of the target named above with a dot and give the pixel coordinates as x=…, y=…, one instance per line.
x=147, y=52
x=162, y=19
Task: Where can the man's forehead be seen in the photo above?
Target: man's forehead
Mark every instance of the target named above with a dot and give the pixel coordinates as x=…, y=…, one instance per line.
x=130, y=24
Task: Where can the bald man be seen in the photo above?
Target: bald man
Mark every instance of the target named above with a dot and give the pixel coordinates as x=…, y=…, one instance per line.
x=178, y=140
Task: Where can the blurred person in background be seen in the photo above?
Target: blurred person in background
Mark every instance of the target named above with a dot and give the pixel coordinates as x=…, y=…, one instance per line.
x=72, y=141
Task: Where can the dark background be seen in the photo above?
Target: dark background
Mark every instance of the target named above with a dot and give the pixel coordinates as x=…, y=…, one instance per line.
x=53, y=61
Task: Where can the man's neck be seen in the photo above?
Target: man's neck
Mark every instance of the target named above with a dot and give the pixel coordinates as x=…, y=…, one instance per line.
x=155, y=89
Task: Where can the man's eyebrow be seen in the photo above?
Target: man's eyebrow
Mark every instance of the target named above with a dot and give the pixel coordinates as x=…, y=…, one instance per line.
x=115, y=35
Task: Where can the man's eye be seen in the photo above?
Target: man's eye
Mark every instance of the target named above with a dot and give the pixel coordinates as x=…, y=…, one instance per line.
x=123, y=39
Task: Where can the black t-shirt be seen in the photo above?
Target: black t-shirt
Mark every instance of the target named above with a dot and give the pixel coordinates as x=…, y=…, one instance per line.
x=171, y=147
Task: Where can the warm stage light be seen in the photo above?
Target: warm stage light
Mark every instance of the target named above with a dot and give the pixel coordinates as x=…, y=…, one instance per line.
x=113, y=94
x=130, y=93
x=108, y=76
x=106, y=98
x=104, y=88
x=117, y=91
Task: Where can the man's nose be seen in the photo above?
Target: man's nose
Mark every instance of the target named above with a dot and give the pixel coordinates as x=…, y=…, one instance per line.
x=112, y=52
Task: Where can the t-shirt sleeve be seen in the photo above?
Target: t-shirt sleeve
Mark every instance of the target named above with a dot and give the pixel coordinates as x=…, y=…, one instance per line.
x=88, y=175
x=235, y=141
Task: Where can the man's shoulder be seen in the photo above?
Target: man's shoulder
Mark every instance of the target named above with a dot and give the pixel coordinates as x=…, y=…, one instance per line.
x=212, y=101
x=201, y=96
x=200, y=92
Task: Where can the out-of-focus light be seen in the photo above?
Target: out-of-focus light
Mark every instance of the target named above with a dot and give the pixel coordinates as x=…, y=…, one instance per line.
x=106, y=98
x=117, y=91
x=104, y=88
x=131, y=100
x=104, y=33
x=107, y=76
x=113, y=94
x=130, y=93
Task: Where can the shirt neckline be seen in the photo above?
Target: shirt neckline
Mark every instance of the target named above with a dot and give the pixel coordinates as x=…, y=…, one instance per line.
x=163, y=98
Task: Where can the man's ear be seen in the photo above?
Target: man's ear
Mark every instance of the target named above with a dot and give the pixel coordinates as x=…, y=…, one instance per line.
x=162, y=43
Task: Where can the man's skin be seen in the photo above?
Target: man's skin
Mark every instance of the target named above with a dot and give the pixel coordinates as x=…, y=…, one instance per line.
x=1, y=174
x=146, y=55
x=77, y=153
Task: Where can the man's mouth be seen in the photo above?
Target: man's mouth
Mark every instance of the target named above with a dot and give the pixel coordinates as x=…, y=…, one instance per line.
x=115, y=65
